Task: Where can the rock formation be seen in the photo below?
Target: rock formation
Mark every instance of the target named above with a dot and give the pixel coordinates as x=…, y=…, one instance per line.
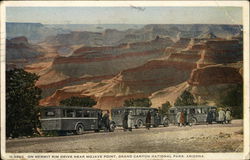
x=98, y=63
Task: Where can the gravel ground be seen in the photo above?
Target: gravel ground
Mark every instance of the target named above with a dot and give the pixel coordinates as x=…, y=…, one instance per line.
x=198, y=138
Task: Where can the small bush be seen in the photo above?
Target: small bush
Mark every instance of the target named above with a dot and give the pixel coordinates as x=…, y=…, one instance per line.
x=78, y=101
x=140, y=102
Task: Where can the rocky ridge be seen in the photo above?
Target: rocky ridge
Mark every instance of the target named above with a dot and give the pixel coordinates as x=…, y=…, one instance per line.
x=193, y=64
x=98, y=63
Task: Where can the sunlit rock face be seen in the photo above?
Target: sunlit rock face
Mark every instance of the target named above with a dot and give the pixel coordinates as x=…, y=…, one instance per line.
x=93, y=64
x=135, y=82
x=198, y=65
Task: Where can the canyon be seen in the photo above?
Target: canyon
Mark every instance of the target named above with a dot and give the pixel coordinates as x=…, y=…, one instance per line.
x=153, y=61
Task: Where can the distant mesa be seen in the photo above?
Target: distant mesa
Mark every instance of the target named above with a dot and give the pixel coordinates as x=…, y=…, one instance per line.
x=65, y=51
x=207, y=35
x=20, y=52
x=99, y=27
x=19, y=40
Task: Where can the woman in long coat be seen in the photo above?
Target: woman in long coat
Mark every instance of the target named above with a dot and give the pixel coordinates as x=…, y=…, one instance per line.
x=178, y=117
x=221, y=117
x=228, y=116
x=148, y=120
x=182, y=118
x=130, y=121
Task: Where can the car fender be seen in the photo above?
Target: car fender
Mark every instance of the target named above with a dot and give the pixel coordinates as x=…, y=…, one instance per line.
x=77, y=124
x=112, y=122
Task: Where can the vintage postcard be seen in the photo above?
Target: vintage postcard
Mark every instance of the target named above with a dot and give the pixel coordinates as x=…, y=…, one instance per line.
x=125, y=80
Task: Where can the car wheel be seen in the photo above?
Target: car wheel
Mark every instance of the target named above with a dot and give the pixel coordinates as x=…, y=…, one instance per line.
x=193, y=121
x=79, y=129
x=166, y=123
x=111, y=127
x=139, y=123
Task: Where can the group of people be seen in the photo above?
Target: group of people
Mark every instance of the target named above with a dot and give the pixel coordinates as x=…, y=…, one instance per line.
x=182, y=118
x=224, y=116
x=104, y=121
x=221, y=116
x=128, y=121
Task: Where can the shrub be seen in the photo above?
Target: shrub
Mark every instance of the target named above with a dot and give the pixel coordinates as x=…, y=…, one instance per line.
x=234, y=100
x=78, y=101
x=164, y=107
x=185, y=99
x=140, y=102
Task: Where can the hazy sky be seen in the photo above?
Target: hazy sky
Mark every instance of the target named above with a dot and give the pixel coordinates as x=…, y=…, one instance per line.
x=126, y=15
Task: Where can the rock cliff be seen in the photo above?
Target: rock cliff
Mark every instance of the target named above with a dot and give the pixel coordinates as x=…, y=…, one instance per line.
x=98, y=63
x=19, y=52
x=207, y=68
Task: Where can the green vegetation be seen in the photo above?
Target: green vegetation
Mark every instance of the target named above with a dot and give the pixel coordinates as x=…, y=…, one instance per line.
x=140, y=102
x=164, y=107
x=78, y=101
x=22, y=98
x=234, y=100
x=185, y=99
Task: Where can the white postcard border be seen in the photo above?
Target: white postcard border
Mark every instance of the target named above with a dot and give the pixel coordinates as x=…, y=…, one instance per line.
x=228, y=156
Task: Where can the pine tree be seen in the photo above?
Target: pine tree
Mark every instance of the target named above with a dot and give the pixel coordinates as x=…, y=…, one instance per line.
x=139, y=102
x=22, y=98
x=185, y=99
x=164, y=107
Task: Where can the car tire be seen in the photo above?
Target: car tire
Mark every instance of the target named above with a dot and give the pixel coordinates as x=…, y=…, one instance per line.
x=166, y=123
x=79, y=129
x=139, y=124
x=112, y=127
x=193, y=121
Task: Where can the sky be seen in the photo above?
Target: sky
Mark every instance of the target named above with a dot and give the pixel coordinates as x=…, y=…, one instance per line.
x=125, y=15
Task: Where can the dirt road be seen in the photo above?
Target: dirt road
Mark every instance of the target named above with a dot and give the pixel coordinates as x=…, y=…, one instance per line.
x=198, y=138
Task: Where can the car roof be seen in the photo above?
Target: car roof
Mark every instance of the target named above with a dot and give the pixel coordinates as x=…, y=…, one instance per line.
x=120, y=108
x=70, y=107
x=186, y=107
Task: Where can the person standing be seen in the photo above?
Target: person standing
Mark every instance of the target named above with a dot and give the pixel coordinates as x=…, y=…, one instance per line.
x=99, y=119
x=221, y=117
x=178, y=117
x=130, y=121
x=182, y=118
x=228, y=116
x=210, y=117
x=148, y=120
x=213, y=114
x=125, y=121
x=106, y=121
x=185, y=117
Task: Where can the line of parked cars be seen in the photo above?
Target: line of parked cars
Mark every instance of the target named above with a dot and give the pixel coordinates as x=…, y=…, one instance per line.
x=80, y=119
